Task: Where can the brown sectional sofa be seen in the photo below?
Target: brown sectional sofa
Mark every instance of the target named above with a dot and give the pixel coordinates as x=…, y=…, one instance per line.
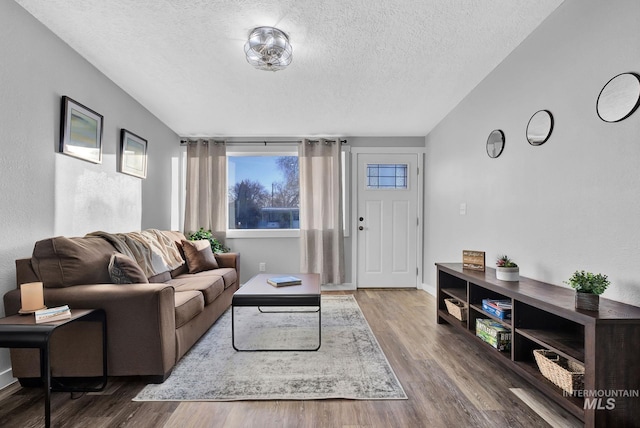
x=150, y=326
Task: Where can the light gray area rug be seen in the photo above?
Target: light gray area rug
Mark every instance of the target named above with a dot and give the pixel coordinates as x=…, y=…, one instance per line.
x=349, y=364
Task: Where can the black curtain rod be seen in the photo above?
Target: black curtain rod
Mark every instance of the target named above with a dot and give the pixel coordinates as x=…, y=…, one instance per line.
x=185, y=142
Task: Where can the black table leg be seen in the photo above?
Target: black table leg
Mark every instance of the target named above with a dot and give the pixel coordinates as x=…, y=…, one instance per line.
x=45, y=366
x=233, y=331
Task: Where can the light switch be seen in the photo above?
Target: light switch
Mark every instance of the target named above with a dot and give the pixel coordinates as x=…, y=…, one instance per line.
x=463, y=208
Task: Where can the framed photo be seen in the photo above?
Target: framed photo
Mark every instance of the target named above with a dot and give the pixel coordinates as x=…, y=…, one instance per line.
x=80, y=131
x=133, y=154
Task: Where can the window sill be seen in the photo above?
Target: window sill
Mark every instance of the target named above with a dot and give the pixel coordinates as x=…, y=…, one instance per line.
x=262, y=233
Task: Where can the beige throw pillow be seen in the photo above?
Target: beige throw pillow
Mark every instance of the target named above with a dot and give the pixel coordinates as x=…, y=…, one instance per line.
x=199, y=255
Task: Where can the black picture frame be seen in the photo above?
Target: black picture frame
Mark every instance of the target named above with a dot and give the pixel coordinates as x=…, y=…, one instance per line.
x=133, y=154
x=80, y=131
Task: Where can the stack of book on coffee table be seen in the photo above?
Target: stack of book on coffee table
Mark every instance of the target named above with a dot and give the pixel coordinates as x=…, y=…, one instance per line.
x=281, y=281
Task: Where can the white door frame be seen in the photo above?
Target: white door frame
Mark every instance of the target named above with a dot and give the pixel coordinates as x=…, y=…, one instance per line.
x=355, y=151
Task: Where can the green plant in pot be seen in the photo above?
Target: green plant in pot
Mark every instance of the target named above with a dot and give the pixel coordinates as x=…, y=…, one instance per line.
x=588, y=288
x=507, y=269
x=216, y=246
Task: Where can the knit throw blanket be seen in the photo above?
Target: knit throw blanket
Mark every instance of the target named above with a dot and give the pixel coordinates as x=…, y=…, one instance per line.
x=151, y=249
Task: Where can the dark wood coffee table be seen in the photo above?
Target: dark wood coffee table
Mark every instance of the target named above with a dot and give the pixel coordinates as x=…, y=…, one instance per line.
x=257, y=292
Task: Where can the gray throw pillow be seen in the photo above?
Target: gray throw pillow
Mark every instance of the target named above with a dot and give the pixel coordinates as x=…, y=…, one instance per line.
x=124, y=270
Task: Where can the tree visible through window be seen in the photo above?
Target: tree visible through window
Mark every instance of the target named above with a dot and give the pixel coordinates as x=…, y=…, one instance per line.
x=264, y=192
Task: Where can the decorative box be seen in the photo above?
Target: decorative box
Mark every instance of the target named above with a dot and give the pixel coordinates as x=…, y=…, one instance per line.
x=456, y=308
x=494, y=333
x=498, y=308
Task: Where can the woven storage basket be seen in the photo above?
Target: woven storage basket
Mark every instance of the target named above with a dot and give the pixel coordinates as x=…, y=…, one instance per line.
x=456, y=308
x=564, y=373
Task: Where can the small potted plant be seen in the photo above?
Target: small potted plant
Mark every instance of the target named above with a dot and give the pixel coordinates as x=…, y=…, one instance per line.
x=506, y=269
x=216, y=246
x=589, y=287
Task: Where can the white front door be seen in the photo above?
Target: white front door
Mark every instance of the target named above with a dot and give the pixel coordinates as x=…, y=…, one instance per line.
x=387, y=220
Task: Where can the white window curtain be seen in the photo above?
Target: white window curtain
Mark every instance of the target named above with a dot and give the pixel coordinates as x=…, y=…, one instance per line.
x=321, y=235
x=206, y=197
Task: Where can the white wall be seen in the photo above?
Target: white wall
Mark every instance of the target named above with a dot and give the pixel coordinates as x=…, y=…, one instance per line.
x=45, y=193
x=572, y=203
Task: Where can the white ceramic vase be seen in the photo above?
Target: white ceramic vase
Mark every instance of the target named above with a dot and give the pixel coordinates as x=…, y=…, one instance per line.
x=508, y=273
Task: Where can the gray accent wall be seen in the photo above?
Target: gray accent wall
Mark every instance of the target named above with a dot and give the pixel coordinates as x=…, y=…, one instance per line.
x=45, y=193
x=570, y=204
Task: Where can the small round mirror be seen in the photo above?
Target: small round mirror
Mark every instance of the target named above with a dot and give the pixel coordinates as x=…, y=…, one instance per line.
x=619, y=98
x=495, y=143
x=539, y=127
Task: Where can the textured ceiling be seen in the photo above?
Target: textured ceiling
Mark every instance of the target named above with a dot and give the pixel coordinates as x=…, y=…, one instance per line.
x=360, y=67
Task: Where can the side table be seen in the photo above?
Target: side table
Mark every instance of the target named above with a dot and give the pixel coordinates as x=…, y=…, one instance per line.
x=20, y=331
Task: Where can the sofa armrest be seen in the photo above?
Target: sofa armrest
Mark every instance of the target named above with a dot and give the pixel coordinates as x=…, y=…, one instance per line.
x=229, y=260
x=140, y=322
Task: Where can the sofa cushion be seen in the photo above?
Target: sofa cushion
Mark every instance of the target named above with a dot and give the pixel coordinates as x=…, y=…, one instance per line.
x=160, y=278
x=199, y=255
x=188, y=304
x=228, y=275
x=210, y=286
x=62, y=262
x=124, y=270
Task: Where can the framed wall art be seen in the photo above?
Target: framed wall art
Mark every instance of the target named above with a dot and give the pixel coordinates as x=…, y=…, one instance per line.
x=80, y=131
x=133, y=154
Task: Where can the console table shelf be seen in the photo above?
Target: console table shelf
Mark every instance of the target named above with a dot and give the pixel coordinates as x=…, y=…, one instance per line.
x=456, y=293
x=544, y=317
x=560, y=342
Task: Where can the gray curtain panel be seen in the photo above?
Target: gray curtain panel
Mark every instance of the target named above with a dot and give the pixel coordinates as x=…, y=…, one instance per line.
x=321, y=234
x=206, y=197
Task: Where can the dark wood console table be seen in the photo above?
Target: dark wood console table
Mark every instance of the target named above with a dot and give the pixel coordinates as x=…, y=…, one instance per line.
x=605, y=342
x=21, y=331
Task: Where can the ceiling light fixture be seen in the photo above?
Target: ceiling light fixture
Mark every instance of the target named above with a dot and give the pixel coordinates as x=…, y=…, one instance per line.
x=268, y=49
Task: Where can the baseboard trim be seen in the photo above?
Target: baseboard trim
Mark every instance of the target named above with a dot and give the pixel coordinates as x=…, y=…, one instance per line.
x=428, y=288
x=6, y=378
x=339, y=287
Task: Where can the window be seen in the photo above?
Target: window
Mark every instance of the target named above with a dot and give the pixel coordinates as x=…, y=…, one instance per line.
x=264, y=193
x=263, y=190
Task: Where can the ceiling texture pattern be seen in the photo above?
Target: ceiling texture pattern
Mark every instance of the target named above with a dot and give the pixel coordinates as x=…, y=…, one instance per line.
x=360, y=67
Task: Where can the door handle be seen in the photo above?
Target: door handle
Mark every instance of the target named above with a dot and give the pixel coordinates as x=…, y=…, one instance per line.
x=360, y=228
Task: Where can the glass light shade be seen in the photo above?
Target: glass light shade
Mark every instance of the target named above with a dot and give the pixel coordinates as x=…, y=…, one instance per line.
x=268, y=49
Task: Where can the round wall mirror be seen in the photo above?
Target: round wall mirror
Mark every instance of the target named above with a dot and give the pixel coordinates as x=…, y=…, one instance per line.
x=539, y=127
x=619, y=98
x=495, y=143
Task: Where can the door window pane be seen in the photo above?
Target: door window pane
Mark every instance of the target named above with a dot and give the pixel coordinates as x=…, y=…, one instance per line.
x=386, y=176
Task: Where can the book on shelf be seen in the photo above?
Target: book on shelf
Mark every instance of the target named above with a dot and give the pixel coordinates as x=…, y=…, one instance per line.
x=498, y=308
x=53, y=314
x=282, y=281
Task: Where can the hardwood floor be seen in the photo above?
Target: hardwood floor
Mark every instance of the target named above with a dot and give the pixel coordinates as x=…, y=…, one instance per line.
x=450, y=383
